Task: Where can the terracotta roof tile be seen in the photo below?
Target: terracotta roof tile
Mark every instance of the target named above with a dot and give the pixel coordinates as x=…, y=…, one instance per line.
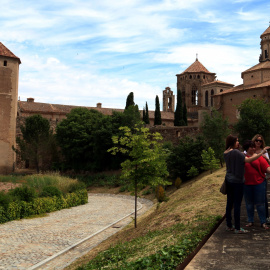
x=262, y=65
x=197, y=66
x=241, y=87
x=266, y=32
x=46, y=108
x=218, y=82
x=4, y=51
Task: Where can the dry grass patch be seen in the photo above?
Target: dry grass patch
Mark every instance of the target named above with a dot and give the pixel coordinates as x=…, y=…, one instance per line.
x=164, y=223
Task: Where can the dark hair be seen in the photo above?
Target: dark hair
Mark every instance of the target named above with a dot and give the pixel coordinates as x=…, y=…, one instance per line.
x=230, y=141
x=248, y=144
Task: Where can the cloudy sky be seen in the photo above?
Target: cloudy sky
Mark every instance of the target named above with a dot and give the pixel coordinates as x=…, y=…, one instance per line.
x=81, y=52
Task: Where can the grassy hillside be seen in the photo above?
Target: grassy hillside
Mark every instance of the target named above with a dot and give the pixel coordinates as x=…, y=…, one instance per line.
x=190, y=210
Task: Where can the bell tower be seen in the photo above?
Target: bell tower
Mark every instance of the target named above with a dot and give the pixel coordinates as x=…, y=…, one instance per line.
x=168, y=100
x=265, y=45
x=9, y=80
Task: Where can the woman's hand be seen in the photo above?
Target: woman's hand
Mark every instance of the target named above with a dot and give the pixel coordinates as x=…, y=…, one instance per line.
x=265, y=149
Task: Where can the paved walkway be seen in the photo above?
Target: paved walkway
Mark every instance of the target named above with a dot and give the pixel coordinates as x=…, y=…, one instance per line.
x=54, y=241
x=226, y=251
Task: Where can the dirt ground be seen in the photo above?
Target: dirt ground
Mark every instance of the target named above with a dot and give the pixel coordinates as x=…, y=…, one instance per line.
x=6, y=186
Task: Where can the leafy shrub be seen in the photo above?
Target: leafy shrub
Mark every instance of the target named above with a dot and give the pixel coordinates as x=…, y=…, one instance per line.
x=192, y=172
x=178, y=182
x=50, y=191
x=21, y=209
x=76, y=186
x=5, y=199
x=24, y=193
x=160, y=193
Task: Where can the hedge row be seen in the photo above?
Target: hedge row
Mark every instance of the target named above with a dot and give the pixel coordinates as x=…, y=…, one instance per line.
x=22, y=209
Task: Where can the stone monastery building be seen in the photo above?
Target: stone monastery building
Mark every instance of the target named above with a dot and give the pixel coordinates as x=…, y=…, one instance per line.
x=199, y=87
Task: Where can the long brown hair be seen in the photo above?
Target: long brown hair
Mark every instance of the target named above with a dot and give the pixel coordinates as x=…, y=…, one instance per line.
x=230, y=141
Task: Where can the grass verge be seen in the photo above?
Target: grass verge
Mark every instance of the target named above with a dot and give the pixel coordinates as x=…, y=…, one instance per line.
x=167, y=233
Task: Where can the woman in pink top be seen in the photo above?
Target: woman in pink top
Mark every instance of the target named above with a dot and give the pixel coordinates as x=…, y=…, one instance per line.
x=255, y=185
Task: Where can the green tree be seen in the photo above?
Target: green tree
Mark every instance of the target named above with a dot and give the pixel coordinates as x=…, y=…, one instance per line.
x=209, y=161
x=143, y=115
x=185, y=155
x=37, y=143
x=178, y=114
x=215, y=129
x=254, y=118
x=130, y=100
x=185, y=114
x=84, y=137
x=146, y=114
x=146, y=162
x=157, y=120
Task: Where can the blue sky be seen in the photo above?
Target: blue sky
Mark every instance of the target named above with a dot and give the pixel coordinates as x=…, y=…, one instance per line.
x=84, y=52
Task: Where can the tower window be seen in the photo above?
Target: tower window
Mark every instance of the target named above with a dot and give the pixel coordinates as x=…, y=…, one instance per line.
x=5, y=63
x=212, y=93
x=206, y=99
x=265, y=54
x=194, y=95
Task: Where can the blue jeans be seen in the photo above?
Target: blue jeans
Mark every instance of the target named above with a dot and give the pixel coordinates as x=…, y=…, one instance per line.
x=255, y=196
x=234, y=199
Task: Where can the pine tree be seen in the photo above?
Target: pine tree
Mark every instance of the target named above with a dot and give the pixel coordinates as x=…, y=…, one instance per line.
x=178, y=114
x=130, y=100
x=146, y=115
x=157, y=120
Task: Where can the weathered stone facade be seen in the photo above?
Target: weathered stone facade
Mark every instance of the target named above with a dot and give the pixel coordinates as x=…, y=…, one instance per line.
x=9, y=77
x=256, y=84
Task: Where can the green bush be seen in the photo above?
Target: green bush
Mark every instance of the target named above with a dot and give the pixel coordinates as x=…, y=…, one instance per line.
x=76, y=186
x=50, y=191
x=24, y=193
x=5, y=199
x=22, y=209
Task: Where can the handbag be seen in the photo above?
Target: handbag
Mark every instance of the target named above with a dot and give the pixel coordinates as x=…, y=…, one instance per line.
x=223, y=188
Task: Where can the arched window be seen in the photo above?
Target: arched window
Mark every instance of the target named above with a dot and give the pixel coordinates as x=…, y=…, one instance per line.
x=206, y=99
x=212, y=93
x=194, y=95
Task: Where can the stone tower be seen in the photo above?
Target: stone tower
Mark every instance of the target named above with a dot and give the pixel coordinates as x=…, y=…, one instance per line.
x=168, y=100
x=190, y=84
x=265, y=45
x=9, y=79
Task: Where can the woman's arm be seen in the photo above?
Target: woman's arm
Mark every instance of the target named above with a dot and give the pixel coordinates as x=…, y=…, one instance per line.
x=254, y=157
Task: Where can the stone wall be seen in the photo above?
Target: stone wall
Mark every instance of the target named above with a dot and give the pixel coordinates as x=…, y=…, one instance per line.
x=9, y=72
x=173, y=134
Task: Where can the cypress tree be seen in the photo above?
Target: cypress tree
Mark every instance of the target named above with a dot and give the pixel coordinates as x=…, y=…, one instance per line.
x=146, y=115
x=157, y=120
x=178, y=114
x=130, y=100
x=185, y=114
x=143, y=112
